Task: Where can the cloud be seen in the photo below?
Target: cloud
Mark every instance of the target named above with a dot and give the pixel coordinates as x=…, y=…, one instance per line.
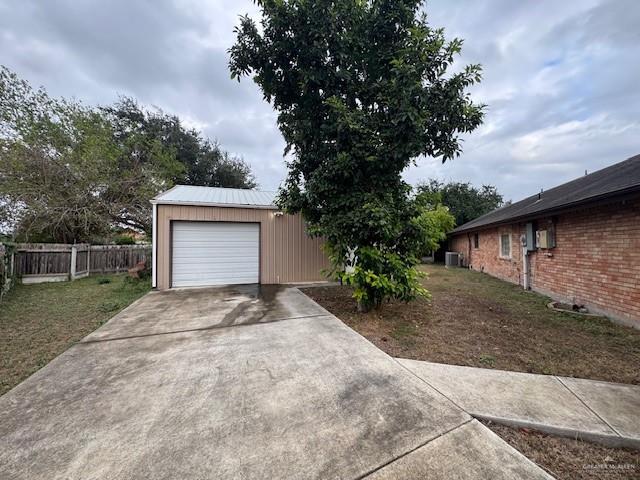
x=559, y=81
x=560, y=78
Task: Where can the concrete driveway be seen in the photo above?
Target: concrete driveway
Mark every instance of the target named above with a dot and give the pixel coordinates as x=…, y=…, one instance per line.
x=251, y=382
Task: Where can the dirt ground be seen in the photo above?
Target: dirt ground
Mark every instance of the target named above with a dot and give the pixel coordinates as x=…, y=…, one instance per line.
x=476, y=320
x=571, y=459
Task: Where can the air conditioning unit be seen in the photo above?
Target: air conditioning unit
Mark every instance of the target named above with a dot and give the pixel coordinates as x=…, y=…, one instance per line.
x=451, y=259
x=545, y=239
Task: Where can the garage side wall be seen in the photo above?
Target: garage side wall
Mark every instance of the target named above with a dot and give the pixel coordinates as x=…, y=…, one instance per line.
x=287, y=253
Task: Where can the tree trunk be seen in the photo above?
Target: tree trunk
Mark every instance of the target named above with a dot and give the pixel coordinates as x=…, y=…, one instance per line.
x=363, y=307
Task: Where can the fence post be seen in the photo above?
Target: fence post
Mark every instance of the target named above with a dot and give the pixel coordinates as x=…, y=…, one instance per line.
x=74, y=258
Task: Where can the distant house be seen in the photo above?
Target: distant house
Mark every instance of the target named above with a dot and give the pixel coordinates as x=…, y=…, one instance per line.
x=578, y=243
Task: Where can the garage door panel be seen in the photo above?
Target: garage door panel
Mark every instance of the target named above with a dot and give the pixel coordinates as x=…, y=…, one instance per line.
x=214, y=253
x=198, y=282
x=191, y=250
x=191, y=257
x=225, y=266
x=200, y=270
x=219, y=240
x=231, y=262
x=229, y=244
x=197, y=231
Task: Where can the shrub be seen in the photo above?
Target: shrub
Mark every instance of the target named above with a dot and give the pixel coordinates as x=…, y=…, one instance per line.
x=379, y=274
x=146, y=273
x=124, y=240
x=7, y=280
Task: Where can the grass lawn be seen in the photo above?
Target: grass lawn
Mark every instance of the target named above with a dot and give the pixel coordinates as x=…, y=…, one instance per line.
x=476, y=320
x=38, y=322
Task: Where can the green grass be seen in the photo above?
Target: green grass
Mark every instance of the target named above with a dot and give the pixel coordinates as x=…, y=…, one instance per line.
x=38, y=322
x=487, y=360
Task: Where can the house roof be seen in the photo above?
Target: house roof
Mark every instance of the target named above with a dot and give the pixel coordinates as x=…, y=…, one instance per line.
x=621, y=178
x=216, y=197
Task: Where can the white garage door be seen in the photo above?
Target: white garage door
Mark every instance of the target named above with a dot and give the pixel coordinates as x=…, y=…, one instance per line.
x=214, y=253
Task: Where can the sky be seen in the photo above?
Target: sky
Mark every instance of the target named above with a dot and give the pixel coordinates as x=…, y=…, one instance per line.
x=560, y=78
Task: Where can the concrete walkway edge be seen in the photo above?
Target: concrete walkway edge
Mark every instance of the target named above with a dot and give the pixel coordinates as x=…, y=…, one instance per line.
x=592, y=410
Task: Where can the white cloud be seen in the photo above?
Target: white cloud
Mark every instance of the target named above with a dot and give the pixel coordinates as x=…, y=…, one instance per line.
x=560, y=78
x=572, y=141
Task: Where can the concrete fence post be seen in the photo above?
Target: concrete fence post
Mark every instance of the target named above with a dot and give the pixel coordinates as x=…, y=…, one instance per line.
x=74, y=258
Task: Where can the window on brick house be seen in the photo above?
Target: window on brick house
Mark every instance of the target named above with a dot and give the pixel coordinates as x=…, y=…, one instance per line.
x=476, y=240
x=505, y=245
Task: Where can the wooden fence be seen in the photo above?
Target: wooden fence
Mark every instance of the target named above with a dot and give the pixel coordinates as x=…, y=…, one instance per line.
x=49, y=262
x=117, y=258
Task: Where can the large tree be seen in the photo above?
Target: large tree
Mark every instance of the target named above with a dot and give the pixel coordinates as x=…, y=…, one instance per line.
x=203, y=162
x=63, y=177
x=361, y=89
x=464, y=201
x=69, y=172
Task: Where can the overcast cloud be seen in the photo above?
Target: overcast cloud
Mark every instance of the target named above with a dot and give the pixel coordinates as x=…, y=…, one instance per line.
x=560, y=78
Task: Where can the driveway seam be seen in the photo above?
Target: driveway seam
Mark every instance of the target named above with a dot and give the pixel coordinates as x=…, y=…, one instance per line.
x=423, y=380
x=200, y=329
x=371, y=472
x=587, y=406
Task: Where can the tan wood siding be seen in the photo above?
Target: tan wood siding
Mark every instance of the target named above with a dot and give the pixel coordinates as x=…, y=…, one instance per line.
x=287, y=253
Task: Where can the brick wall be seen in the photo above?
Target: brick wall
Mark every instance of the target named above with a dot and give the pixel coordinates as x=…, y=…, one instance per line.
x=487, y=258
x=596, y=261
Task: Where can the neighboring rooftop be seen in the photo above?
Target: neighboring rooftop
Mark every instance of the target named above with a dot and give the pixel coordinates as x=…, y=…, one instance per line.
x=618, y=179
x=214, y=196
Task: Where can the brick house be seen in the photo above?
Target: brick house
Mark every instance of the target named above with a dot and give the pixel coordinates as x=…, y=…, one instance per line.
x=578, y=243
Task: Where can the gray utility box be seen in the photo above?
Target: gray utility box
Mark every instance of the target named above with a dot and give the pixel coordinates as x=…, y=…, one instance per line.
x=530, y=237
x=452, y=259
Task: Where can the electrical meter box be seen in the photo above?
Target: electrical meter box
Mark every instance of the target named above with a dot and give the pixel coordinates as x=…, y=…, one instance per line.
x=530, y=238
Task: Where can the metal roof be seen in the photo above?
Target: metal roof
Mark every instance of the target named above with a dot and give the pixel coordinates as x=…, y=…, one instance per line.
x=216, y=197
x=621, y=178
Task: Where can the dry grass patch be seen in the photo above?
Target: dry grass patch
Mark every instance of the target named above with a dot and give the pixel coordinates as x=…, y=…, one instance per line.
x=571, y=459
x=477, y=320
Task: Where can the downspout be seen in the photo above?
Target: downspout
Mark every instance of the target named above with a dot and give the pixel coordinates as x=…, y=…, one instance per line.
x=154, y=247
x=525, y=264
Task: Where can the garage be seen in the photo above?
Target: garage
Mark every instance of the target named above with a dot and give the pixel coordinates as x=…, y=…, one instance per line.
x=210, y=236
x=215, y=253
